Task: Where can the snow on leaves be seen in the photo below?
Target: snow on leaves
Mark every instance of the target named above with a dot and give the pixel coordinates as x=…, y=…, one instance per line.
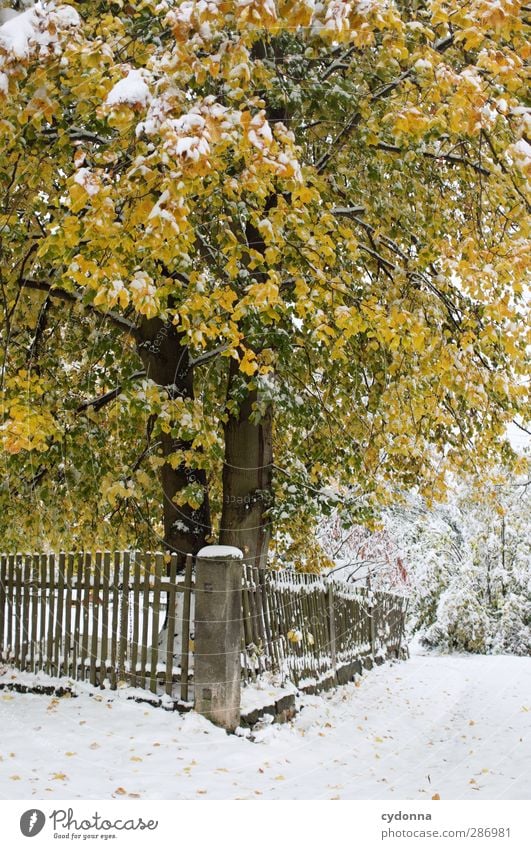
x=36, y=32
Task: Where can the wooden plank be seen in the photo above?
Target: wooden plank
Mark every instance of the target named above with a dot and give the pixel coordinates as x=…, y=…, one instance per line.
x=10, y=606
x=185, y=642
x=159, y=563
x=252, y=607
x=266, y=614
x=85, y=605
x=145, y=618
x=18, y=610
x=43, y=572
x=68, y=614
x=170, y=636
x=59, y=605
x=95, y=620
x=246, y=621
x=273, y=621
x=25, y=623
x=332, y=626
x=136, y=619
x=48, y=666
x=115, y=630
x=77, y=602
x=3, y=603
x=124, y=618
x=34, y=633
x=261, y=618
x=104, y=648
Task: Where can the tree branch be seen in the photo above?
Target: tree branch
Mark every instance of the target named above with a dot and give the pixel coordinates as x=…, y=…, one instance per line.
x=209, y=355
x=447, y=157
x=101, y=400
x=335, y=146
x=116, y=319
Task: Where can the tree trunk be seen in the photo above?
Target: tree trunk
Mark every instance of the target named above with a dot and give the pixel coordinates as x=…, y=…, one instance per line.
x=247, y=478
x=167, y=363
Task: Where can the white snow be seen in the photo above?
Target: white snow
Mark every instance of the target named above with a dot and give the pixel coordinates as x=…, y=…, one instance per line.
x=456, y=725
x=215, y=551
x=16, y=34
x=37, y=26
x=132, y=90
x=86, y=178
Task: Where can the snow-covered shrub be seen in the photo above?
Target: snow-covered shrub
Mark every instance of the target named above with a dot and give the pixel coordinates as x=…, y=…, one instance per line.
x=466, y=565
x=513, y=634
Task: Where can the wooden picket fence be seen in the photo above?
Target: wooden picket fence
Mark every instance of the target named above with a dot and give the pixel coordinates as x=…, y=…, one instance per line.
x=310, y=626
x=98, y=617
x=126, y=617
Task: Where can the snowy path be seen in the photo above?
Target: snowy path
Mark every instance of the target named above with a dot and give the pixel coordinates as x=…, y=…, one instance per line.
x=457, y=726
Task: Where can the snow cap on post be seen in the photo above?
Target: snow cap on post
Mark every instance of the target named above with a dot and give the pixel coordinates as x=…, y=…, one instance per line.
x=218, y=552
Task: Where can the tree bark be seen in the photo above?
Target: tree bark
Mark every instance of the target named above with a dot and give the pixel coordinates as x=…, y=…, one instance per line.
x=247, y=478
x=167, y=362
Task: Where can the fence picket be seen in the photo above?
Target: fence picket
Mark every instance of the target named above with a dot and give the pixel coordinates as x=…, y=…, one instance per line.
x=124, y=618
x=85, y=602
x=115, y=597
x=58, y=635
x=185, y=646
x=94, y=607
x=24, y=660
x=104, y=645
x=48, y=667
x=3, y=605
x=155, y=623
x=170, y=636
x=145, y=620
x=68, y=664
x=136, y=619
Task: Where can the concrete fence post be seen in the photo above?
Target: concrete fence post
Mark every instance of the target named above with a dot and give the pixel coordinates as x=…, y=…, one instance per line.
x=218, y=622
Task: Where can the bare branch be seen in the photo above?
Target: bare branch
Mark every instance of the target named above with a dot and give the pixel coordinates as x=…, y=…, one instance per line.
x=101, y=400
x=64, y=295
x=209, y=355
x=446, y=157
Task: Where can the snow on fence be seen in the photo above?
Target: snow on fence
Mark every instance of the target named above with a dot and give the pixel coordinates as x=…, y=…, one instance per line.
x=98, y=616
x=310, y=626
x=128, y=617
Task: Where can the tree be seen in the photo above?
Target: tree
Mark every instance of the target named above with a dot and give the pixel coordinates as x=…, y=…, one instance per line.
x=281, y=246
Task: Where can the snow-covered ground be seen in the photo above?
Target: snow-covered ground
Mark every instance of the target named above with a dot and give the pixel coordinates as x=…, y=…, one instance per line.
x=458, y=726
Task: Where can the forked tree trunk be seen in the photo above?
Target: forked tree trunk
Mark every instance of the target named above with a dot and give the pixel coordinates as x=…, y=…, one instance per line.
x=247, y=479
x=167, y=363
